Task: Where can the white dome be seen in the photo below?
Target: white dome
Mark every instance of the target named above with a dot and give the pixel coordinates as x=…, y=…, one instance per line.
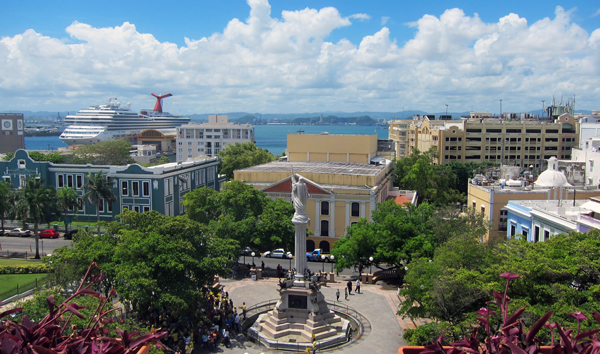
x=552, y=177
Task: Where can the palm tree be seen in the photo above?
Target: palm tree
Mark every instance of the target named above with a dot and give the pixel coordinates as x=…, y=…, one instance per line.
x=34, y=200
x=67, y=199
x=5, y=200
x=98, y=188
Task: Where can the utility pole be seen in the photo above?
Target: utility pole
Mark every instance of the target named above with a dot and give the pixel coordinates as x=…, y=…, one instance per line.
x=500, y=108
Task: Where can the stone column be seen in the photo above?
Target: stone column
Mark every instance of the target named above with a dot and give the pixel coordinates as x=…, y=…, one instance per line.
x=300, y=251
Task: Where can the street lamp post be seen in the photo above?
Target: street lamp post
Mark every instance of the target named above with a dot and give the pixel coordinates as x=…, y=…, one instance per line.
x=370, y=264
x=332, y=258
x=290, y=263
x=323, y=259
x=252, y=254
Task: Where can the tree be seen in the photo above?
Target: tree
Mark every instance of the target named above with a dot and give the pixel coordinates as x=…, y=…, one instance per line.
x=111, y=152
x=238, y=156
x=54, y=157
x=244, y=214
x=6, y=193
x=67, y=199
x=98, y=189
x=35, y=201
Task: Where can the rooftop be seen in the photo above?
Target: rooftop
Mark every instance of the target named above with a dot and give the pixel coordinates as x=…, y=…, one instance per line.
x=338, y=168
x=497, y=188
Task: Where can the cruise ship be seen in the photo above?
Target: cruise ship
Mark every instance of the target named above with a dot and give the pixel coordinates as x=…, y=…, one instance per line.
x=113, y=121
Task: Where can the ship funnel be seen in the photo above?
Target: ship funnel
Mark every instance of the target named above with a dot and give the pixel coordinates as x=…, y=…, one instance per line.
x=158, y=105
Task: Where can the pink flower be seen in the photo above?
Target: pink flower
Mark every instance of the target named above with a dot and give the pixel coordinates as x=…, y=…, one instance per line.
x=579, y=316
x=550, y=325
x=509, y=276
x=485, y=312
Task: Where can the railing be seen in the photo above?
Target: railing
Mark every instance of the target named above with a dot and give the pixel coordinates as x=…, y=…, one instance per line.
x=363, y=327
x=21, y=288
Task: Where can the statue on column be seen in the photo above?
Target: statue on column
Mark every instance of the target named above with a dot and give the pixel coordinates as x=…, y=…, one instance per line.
x=299, y=196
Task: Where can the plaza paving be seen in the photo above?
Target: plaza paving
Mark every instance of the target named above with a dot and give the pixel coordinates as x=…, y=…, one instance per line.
x=378, y=305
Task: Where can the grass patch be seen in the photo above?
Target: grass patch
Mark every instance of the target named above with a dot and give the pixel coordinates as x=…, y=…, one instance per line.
x=25, y=281
x=16, y=262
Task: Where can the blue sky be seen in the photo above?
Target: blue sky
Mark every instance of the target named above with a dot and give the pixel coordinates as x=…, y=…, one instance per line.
x=385, y=58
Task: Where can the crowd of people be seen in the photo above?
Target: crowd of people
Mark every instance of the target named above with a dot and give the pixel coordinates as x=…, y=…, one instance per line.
x=218, y=323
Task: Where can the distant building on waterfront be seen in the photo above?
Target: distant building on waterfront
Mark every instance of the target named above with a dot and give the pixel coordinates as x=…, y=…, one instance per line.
x=160, y=188
x=12, y=137
x=207, y=139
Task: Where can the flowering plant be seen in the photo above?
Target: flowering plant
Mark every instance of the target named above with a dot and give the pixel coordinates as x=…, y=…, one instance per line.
x=512, y=337
x=49, y=335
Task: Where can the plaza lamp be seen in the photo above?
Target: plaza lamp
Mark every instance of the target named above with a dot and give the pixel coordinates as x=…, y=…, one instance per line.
x=252, y=254
x=332, y=258
x=323, y=259
x=370, y=264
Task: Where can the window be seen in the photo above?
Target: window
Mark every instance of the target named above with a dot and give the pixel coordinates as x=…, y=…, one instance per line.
x=124, y=190
x=61, y=181
x=135, y=188
x=324, y=208
x=525, y=233
x=146, y=188
x=21, y=164
x=22, y=180
x=474, y=205
x=324, y=227
x=101, y=205
x=355, y=209
x=80, y=204
x=125, y=208
x=536, y=233
x=513, y=230
x=136, y=209
x=483, y=209
x=546, y=235
x=7, y=179
x=79, y=181
x=70, y=181
x=109, y=205
x=146, y=209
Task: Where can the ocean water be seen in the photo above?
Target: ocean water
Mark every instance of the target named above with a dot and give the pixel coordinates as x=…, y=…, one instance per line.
x=270, y=137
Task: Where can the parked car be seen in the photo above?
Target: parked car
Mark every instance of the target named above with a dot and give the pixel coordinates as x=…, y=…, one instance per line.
x=248, y=252
x=69, y=234
x=3, y=232
x=17, y=231
x=278, y=253
x=48, y=233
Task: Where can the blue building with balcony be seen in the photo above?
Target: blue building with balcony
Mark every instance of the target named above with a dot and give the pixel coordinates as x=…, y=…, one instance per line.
x=160, y=188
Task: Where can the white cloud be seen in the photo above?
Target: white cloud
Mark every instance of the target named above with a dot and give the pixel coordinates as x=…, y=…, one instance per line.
x=361, y=17
x=384, y=20
x=596, y=13
x=265, y=64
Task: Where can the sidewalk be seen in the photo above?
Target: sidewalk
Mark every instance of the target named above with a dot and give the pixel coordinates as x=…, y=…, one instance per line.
x=379, y=306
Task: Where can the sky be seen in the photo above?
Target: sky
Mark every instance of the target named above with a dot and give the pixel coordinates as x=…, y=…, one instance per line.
x=296, y=56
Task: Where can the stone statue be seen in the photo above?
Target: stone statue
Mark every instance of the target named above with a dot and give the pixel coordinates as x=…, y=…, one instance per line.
x=299, y=195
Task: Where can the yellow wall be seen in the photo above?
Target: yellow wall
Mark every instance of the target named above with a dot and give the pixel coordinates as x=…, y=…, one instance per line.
x=359, y=147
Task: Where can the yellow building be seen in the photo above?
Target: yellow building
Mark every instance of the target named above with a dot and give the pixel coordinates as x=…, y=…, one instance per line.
x=491, y=200
x=521, y=142
x=340, y=192
x=331, y=148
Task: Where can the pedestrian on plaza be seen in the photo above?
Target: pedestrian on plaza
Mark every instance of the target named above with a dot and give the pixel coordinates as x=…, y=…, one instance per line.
x=346, y=293
x=349, y=285
x=237, y=323
x=226, y=337
x=244, y=310
x=337, y=294
x=314, y=348
x=262, y=266
x=358, y=286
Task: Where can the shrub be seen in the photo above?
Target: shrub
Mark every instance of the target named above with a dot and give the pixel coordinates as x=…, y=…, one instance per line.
x=26, y=269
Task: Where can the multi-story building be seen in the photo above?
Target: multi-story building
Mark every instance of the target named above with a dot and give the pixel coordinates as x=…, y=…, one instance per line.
x=491, y=198
x=207, y=139
x=12, y=137
x=137, y=188
x=519, y=142
x=345, y=180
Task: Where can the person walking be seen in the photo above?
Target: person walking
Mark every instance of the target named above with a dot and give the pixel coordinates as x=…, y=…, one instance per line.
x=337, y=294
x=244, y=309
x=358, y=286
x=349, y=285
x=346, y=293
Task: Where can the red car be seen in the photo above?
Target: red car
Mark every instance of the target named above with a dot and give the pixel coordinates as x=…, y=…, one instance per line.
x=49, y=233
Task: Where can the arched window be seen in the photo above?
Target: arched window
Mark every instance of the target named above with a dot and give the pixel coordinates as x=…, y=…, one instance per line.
x=310, y=245
x=324, y=208
x=324, y=227
x=356, y=209
x=324, y=246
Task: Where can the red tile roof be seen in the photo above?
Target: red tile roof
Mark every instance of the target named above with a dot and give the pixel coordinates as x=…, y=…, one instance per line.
x=401, y=199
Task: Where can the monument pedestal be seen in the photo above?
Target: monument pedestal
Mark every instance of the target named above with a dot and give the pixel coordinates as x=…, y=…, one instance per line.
x=300, y=313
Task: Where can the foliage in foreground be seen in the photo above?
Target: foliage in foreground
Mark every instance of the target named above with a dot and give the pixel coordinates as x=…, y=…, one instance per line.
x=560, y=275
x=55, y=333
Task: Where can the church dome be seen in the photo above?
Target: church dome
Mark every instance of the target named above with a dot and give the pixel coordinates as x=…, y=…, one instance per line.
x=552, y=177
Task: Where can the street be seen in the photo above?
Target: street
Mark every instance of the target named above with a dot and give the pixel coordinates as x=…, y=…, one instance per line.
x=23, y=244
